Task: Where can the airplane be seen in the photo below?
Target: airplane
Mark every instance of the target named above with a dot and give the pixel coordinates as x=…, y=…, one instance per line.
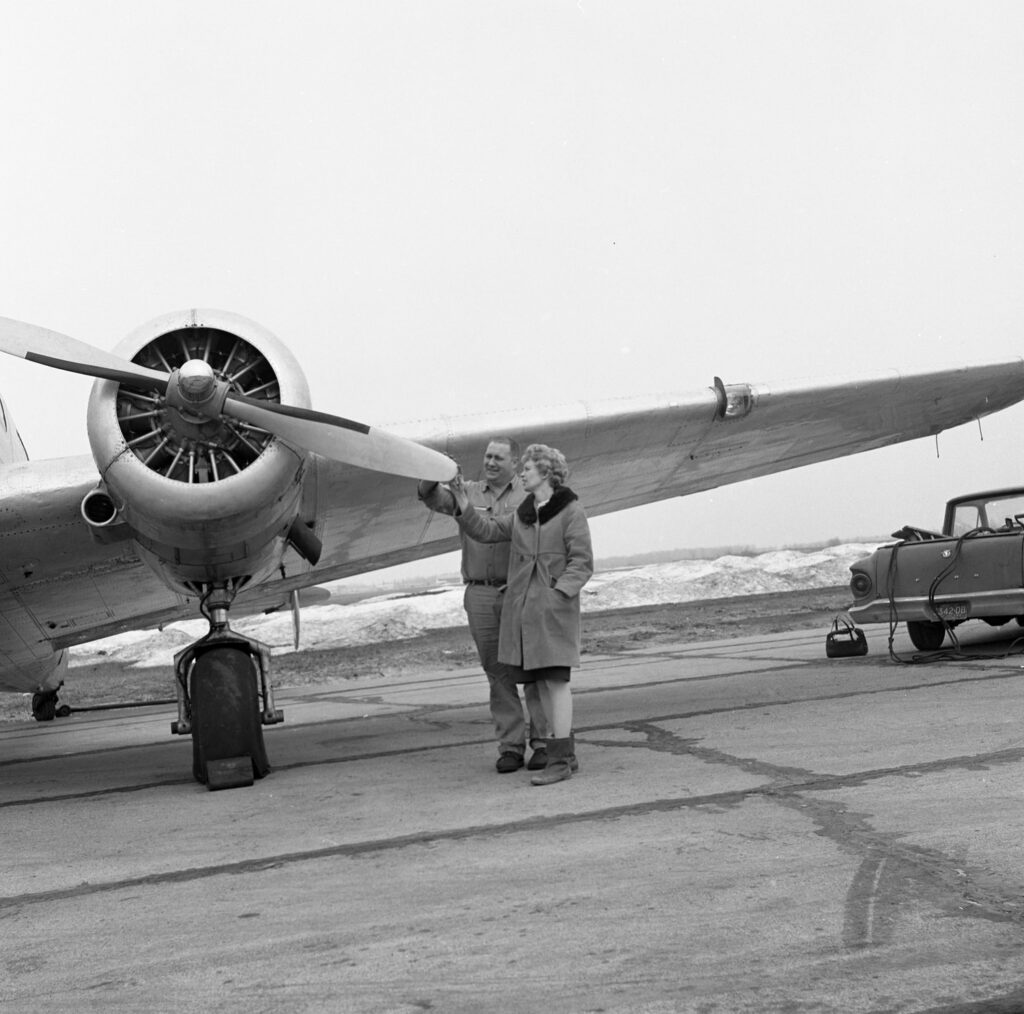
x=213, y=485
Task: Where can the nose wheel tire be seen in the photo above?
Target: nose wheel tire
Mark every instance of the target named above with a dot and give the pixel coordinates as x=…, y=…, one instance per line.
x=227, y=733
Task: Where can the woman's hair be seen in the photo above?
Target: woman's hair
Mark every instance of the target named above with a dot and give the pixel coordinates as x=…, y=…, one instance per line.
x=550, y=463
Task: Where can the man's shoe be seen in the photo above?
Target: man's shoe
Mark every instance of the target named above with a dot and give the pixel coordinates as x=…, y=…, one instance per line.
x=539, y=760
x=509, y=762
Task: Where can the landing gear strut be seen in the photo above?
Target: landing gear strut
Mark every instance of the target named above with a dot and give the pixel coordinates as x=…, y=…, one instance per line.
x=224, y=698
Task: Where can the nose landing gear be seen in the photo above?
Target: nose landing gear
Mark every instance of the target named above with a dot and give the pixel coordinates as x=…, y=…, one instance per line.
x=225, y=697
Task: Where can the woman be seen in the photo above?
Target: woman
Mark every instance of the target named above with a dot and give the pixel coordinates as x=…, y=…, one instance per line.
x=551, y=559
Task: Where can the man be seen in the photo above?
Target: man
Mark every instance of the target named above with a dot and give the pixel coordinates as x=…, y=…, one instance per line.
x=484, y=573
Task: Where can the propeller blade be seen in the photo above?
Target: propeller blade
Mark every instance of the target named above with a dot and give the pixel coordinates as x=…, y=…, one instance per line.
x=62, y=352
x=342, y=439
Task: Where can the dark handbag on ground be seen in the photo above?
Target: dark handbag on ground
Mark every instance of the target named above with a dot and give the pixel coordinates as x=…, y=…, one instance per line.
x=845, y=640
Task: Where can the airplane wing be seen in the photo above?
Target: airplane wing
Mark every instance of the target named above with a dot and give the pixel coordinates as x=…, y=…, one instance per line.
x=65, y=583
x=627, y=452
x=59, y=584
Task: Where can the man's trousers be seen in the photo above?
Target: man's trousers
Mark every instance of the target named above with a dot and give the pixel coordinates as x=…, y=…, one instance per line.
x=483, y=609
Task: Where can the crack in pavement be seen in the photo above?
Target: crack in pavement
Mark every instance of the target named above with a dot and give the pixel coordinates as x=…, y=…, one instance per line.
x=891, y=877
x=892, y=874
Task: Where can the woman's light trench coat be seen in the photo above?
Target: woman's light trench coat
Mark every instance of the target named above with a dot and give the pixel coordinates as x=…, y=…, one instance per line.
x=549, y=563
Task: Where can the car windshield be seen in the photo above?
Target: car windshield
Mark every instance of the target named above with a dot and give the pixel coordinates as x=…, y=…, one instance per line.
x=991, y=513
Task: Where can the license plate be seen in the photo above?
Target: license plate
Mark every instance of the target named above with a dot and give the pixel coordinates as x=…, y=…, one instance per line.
x=953, y=610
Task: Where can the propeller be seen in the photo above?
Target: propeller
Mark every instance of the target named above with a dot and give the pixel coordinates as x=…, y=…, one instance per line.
x=194, y=388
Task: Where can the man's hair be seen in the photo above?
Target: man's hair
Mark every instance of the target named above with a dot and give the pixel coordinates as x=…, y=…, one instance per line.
x=514, y=449
x=550, y=463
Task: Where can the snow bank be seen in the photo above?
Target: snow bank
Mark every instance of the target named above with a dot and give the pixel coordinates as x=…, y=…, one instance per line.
x=398, y=616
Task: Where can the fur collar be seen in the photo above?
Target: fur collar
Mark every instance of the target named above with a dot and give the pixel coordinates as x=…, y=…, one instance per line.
x=560, y=499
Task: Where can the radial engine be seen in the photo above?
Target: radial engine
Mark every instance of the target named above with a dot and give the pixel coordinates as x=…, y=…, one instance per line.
x=207, y=500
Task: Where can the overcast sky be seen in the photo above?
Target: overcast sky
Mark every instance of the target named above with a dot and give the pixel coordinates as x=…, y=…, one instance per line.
x=448, y=205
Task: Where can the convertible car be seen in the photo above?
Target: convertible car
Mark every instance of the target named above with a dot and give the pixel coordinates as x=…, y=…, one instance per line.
x=933, y=581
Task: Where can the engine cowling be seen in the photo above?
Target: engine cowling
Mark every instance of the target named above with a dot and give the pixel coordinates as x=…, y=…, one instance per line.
x=206, y=500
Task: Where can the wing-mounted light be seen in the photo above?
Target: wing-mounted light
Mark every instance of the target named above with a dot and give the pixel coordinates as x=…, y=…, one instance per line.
x=734, y=400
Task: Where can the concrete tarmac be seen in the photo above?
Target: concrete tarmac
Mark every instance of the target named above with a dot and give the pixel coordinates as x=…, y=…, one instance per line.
x=754, y=828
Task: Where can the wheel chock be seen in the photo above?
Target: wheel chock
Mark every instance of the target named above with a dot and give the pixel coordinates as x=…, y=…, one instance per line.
x=229, y=773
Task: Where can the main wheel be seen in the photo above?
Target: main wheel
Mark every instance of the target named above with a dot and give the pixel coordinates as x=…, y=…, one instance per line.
x=226, y=726
x=926, y=635
x=44, y=705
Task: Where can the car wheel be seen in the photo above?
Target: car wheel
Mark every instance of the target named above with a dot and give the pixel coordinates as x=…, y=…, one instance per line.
x=926, y=635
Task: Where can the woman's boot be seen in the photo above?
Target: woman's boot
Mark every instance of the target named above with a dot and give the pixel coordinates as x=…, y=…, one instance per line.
x=560, y=757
